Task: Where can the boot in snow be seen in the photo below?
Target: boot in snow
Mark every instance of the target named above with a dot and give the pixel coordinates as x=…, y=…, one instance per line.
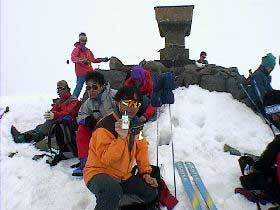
x=32, y=135
x=79, y=171
x=17, y=136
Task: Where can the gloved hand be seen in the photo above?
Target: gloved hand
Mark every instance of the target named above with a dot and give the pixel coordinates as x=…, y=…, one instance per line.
x=90, y=121
x=143, y=119
x=49, y=115
x=106, y=59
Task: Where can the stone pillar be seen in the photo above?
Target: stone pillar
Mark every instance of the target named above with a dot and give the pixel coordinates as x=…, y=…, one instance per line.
x=174, y=23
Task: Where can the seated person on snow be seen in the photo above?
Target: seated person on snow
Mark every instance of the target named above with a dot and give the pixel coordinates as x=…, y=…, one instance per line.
x=265, y=172
x=261, y=79
x=66, y=105
x=112, y=153
x=201, y=62
x=141, y=78
x=99, y=104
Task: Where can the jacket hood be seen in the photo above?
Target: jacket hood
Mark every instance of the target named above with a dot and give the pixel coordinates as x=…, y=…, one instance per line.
x=77, y=44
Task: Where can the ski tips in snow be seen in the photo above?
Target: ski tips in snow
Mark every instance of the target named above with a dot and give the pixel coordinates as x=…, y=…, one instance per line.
x=182, y=170
x=200, y=185
x=188, y=185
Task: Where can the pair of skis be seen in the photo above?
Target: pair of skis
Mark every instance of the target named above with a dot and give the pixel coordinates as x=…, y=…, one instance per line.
x=183, y=169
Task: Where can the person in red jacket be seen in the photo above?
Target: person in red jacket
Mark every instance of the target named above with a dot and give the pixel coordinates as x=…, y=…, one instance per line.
x=66, y=105
x=83, y=57
x=141, y=78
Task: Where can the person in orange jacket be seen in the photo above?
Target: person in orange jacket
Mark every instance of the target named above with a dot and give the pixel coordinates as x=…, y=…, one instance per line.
x=83, y=57
x=112, y=153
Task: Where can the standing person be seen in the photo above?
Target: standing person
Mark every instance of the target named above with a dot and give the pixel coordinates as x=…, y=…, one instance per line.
x=261, y=79
x=83, y=57
x=99, y=104
x=66, y=105
x=112, y=153
x=141, y=79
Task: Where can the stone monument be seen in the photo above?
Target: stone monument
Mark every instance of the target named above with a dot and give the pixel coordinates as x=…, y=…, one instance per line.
x=174, y=23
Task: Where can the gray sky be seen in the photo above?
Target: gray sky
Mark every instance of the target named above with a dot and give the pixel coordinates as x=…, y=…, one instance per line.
x=37, y=36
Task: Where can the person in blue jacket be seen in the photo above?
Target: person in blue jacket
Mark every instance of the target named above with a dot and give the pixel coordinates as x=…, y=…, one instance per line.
x=260, y=81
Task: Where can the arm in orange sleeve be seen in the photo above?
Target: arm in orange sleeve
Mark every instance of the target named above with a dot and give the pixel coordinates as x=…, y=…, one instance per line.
x=142, y=157
x=108, y=148
x=71, y=109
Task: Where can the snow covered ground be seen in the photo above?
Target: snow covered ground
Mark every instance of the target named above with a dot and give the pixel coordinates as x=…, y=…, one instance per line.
x=202, y=123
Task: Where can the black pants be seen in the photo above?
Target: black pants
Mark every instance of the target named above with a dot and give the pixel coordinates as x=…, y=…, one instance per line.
x=111, y=193
x=268, y=157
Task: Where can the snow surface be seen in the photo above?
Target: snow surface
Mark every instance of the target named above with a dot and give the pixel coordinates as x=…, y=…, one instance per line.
x=202, y=122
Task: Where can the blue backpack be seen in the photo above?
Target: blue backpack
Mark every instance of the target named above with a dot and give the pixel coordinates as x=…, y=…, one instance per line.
x=163, y=84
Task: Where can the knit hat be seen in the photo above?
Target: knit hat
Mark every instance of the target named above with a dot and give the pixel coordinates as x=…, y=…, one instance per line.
x=269, y=60
x=272, y=102
x=138, y=74
x=62, y=83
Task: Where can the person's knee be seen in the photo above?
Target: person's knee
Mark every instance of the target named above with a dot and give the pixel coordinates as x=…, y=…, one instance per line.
x=150, y=194
x=105, y=186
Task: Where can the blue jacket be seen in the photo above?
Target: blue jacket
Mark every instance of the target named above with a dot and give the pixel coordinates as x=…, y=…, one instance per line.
x=262, y=79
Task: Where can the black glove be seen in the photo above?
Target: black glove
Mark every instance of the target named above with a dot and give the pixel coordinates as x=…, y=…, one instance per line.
x=106, y=59
x=90, y=121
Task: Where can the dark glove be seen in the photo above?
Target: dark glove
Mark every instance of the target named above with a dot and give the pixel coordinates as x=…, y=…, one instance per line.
x=90, y=122
x=106, y=59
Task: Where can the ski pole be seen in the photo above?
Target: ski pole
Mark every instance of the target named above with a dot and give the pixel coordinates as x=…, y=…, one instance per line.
x=157, y=134
x=271, y=125
x=259, y=111
x=172, y=145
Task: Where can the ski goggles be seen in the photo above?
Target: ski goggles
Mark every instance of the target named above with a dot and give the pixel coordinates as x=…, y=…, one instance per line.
x=94, y=87
x=131, y=103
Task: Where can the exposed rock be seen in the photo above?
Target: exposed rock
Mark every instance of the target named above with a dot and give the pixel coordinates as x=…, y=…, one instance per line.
x=210, y=77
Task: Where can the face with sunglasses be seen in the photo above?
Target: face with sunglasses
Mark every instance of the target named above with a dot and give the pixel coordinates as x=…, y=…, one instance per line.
x=93, y=89
x=61, y=91
x=130, y=106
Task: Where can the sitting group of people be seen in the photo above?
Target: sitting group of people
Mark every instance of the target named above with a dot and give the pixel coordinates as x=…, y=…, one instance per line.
x=106, y=150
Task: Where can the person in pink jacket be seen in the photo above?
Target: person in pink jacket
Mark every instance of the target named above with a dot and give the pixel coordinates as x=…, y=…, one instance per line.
x=83, y=57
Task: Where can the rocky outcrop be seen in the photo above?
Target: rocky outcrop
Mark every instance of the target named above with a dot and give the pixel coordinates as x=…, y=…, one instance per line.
x=210, y=77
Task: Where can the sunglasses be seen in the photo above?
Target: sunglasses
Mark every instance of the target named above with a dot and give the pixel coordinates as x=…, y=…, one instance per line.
x=94, y=87
x=60, y=88
x=131, y=103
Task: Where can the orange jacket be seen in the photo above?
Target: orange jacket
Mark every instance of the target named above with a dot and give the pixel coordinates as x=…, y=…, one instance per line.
x=110, y=154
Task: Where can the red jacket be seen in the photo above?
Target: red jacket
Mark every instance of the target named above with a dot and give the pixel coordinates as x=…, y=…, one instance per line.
x=70, y=106
x=79, y=54
x=147, y=88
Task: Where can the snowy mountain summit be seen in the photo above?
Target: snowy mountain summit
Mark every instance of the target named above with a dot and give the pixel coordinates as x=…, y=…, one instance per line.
x=202, y=123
